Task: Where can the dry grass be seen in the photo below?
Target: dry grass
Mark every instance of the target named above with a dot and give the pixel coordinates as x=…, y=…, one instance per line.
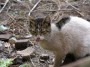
x=15, y=12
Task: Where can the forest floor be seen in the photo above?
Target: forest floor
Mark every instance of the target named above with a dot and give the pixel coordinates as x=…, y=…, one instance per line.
x=14, y=14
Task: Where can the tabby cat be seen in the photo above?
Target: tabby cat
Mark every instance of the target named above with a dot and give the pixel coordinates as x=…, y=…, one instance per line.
x=70, y=35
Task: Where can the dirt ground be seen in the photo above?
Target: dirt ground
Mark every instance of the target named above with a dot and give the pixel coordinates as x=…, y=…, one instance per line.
x=15, y=15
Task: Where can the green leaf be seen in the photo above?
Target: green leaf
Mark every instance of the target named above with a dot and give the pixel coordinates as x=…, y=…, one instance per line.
x=24, y=65
x=5, y=62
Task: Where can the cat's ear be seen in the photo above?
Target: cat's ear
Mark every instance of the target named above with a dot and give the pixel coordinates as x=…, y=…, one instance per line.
x=47, y=19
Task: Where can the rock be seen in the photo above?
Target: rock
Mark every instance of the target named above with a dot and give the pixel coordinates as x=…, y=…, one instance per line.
x=17, y=60
x=33, y=55
x=3, y=28
x=23, y=56
x=28, y=36
x=27, y=52
x=51, y=65
x=5, y=37
x=44, y=58
x=7, y=45
x=22, y=44
x=12, y=40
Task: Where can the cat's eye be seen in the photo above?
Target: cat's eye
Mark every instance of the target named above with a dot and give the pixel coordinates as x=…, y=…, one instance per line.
x=33, y=29
x=44, y=29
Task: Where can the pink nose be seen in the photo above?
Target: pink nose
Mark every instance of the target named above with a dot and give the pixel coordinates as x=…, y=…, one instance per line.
x=37, y=39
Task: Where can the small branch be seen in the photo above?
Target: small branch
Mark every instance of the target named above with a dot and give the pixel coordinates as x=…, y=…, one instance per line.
x=12, y=17
x=4, y=5
x=77, y=10
x=33, y=7
x=23, y=3
x=71, y=5
x=32, y=63
x=53, y=10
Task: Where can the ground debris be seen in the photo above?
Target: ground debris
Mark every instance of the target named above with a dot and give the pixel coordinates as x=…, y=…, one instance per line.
x=15, y=16
x=26, y=52
x=43, y=58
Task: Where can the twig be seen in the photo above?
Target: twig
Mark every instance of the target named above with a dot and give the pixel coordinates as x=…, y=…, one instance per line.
x=34, y=7
x=12, y=17
x=53, y=10
x=22, y=3
x=77, y=10
x=32, y=63
x=71, y=5
x=4, y=5
x=30, y=1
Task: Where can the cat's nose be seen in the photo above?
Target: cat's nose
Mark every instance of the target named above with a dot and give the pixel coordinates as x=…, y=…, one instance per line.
x=37, y=39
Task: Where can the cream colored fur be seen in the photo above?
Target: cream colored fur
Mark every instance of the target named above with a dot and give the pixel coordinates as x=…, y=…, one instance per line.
x=74, y=37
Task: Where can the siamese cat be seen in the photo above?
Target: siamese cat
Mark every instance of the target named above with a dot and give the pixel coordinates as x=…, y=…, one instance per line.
x=71, y=34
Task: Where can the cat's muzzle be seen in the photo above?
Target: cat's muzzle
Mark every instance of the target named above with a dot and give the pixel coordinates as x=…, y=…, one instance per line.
x=39, y=38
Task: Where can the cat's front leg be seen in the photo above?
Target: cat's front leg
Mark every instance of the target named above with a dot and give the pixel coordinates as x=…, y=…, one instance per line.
x=58, y=59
